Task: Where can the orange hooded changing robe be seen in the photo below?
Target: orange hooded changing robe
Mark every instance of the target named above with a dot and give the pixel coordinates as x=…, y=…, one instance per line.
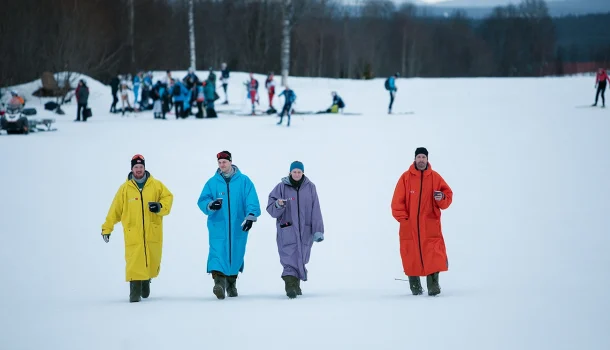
x=422, y=247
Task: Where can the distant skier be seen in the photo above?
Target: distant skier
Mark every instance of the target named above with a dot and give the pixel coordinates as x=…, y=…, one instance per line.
x=289, y=98
x=600, y=84
x=252, y=87
x=390, y=85
x=337, y=105
x=270, y=86
x=224, y=78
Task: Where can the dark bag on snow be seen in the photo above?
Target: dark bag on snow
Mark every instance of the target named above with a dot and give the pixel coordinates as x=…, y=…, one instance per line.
x=29, y=111
x=51, y=106
x=87, y=113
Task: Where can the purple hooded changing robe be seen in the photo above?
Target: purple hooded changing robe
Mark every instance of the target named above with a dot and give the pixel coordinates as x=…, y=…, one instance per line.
x=297, y=222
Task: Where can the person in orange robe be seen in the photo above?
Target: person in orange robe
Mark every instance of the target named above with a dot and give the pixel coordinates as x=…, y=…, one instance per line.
x=420, y=195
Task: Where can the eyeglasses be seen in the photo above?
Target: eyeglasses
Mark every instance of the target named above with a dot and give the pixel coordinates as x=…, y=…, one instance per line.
x=138, y=156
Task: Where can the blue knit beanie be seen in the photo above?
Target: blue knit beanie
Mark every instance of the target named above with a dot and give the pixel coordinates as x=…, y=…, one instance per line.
x=297, y=165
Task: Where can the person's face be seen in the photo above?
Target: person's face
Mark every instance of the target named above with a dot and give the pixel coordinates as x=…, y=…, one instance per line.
x=138, y=171
x=224, y=165
x=421, y=162
x=296, y=174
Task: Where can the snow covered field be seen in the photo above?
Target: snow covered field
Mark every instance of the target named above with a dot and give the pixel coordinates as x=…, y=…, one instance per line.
x=527, y=234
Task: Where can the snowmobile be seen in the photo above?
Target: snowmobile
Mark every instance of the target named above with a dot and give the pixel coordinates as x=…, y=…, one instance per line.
x=14, y=119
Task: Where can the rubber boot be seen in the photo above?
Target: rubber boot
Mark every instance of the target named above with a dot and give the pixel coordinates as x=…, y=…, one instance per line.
x=232, y=286
x=433, y=287
x=135, y=291
x=299, y=292
x=291, y=284
x=415, y=285
x=220, y=284
x=145, y=289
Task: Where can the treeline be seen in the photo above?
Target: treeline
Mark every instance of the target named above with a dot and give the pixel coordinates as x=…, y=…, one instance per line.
x=328, y=38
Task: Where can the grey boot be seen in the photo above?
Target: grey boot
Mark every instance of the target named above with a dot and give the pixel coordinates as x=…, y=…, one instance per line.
x=135, y=291
x=232, y=286
x=415, y=285
x=291, y=286
x=145, y=289
x=220, y=284
x=433, y=287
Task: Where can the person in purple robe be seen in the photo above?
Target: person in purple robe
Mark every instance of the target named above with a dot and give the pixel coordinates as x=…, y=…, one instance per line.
x=295, y=206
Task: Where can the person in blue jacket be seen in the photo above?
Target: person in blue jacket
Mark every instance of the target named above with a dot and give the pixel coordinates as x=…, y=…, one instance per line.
x=182, y=99
x=230, y=201
x=390, y=85
x=137, y=81
x=289, y=98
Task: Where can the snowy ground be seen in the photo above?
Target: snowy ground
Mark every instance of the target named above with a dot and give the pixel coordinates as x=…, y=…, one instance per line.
x=527, y=234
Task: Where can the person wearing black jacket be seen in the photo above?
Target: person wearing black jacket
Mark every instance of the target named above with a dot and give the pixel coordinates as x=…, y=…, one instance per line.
x=114, y=86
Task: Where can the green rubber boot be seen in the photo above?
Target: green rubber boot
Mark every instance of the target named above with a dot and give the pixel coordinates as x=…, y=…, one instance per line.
x=299, y=292
x=433, y=287
x=291, y=286
x=220, y=284
x=135, y=291
x=145, y=289
x=232, y=286
x=415, y=285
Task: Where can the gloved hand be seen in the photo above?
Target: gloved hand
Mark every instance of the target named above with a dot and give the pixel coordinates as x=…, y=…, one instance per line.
x=318, y=237
x=215, y=205
x=247, y=224
x=438, y=195
x=154, y=207
x=106, y=237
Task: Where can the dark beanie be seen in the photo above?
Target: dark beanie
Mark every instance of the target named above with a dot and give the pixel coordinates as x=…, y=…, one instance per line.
x=224, y=155
x=421, y=150
x=137, y=159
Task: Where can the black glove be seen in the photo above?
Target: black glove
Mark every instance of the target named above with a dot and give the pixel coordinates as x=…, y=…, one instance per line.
x=154, y=207
x=216, y=205
x=247, y=224
x=106, y=237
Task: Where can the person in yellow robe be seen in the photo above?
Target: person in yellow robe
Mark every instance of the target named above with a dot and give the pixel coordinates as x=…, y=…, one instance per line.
x=140, y=205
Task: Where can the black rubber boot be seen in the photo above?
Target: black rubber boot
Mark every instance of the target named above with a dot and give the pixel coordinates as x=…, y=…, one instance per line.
x=220, y=284
x=135, y=291
x=415, y=285
x=433, y=287
x=145, y=289
x=299, y=292
x=232, y=286
x=291, y=285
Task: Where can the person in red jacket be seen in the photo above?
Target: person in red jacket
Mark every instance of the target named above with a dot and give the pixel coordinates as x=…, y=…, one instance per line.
x=600, y=84
x=420, y=195
x=270, y=86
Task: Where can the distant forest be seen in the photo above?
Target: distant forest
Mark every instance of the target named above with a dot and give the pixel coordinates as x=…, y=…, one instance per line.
x=328, y=39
